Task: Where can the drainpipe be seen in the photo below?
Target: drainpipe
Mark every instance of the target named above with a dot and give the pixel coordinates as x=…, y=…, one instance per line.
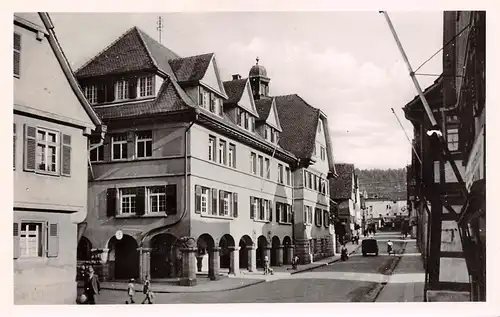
x=186, y=191
x=93, y=147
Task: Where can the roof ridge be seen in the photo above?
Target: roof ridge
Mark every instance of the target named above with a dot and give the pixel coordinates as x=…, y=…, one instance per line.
x=105, y=49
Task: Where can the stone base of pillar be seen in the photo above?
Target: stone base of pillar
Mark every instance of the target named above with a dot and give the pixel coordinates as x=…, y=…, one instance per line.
x=188, y=281
x=302, y=251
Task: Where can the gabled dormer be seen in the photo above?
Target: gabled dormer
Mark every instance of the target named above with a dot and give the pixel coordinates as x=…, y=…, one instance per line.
x=240, y=105
x=268, y=123
x=199, y=76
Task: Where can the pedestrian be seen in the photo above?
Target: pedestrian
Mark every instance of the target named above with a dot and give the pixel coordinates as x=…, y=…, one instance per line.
x=130, y=291
x=92, y=286
x=147, y=291
x=266, y=265
x=389, y=247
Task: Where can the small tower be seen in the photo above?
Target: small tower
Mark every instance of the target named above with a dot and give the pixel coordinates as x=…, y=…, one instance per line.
x=259, y=81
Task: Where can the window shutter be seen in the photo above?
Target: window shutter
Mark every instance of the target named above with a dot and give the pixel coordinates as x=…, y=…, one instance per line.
x=210, y=207
x=278, y=212
x=269, y=202
x=326, y=220
x=17, y=55
x=140, y=201
x=16, y=239
x=197, y=207
x=29, y=148
x=132, y=88
x=214, y=201
x=131, y=144
x=101, y=93
x=171, y=199
x=261, y=208
x=111, y=200
x=66, y=155
x=221, y=202
x=252, y=210
x=106, y=148
x=14, y=148
x=235, y=205
x=53, y=240
x=110, y=91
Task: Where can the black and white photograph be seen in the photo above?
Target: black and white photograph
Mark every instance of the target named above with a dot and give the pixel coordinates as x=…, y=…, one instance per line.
x=228, y=157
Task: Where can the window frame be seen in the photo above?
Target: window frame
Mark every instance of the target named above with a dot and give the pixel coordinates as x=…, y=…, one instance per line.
x=18, y=51
x=90, y=92
x=453, y=145
x=148, y=82
x=131, y=196
x=40, y=236
x=121, y=90
x=150, y=194
x=231, y=155
x=205, y=195
x=288, y=175
x=253, y=163
x=46, y=144
x=212, y=141
x=280, y=173
x=260, y=165
x=98, y=150
x=143, y=141
x=267, y=163
x=123, y=145
x=222, y=149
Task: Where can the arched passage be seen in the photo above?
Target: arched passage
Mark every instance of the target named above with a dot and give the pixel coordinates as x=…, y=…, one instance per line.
x=124, y=257
x=225, y=243
x=84, y=250
x=274, y=253
x=245, y=242
x=262, y=244
x=287, y=242
x=164, y=256
x=205, y=244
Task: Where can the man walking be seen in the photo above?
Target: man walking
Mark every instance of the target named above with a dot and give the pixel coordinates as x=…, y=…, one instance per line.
x=92, y=286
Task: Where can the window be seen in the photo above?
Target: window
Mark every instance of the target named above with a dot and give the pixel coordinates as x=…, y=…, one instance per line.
x=326, y=218
x=232, y=155
x=253, y=163
x=272, y=135
x=97, y=154
x=226, y=203
x=280, y=173
x=283, y=212
x=146, y=86
x=452, y=137
x=200, y=96
x=121, y=90
x=310, y=214
x=251, y=123
x=220, y=106
x=211, y=148
x=127, y=201
x=222, y=152
x=91, y=93
x=266, y=132
x=144, y=144
x=288, y=175
x=206, y=98
x=47, y=145
x=323, y=153
x=310, y=180
x=204, y=199
x=268, y=168
x=17, y=54
x=213, y=102
x=238, y=116
x=119, y=147
x=315, y=180
x=261, y=166
x=244, y=119
x=317, y=217
x=307, y=215
x=276, y=136
x=157, y=199
x=30, y=240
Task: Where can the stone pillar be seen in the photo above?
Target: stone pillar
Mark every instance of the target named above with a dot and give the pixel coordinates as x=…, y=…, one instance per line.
x=144, y=263
x=289, y=250
x=252, y=258
x=234, y=266
x=279, y=255
x=104, y=255
x=214, y=264
x=189, y=263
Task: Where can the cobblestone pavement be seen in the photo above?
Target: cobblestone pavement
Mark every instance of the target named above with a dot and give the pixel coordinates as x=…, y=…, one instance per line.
x=356, y=280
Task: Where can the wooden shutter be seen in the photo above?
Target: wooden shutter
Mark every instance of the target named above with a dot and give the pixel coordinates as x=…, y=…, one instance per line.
x=101, y=93
x=29, y=148
x=111, y=202
x=214, y=201
x=65, y=155
x=235, y=205
x=326, y=219
x=17, y=54
x=17, y=238
x=171, y=199
x=53, y=240
x=140, y=201
x=261, y=208
x=110, y=91
x=131, y=145
x=14, y=147
x=269, y=203
x=132, y=88
x=221, y=202
x=252, y=210
x=197, y=199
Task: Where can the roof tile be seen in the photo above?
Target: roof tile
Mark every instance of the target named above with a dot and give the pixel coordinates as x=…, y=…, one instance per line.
x=263, y=107
x=234, y=90
x=191, y=68
x=341, y=187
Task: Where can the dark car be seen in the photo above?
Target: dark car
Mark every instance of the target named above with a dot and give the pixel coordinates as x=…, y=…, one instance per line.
x=369, y=246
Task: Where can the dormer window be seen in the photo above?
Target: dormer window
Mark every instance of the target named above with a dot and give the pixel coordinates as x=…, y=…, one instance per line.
x=266, y=132
x=272, y=135
x=146, y=86
x=121, y=90
x=91, y=93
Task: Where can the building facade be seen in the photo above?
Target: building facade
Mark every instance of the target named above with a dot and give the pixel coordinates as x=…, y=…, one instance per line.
x=197, y=174
x=52, y=122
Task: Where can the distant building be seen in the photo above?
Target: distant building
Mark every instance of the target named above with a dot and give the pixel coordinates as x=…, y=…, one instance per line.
x=52, y=123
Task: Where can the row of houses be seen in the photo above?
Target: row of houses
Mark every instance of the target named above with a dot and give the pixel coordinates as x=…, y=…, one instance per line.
x=450, y=205
x=148, y=163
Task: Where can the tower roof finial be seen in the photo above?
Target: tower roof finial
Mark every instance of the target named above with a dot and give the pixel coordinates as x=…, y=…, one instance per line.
x=257, y=59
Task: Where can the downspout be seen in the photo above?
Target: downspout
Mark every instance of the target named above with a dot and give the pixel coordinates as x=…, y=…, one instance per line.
x=93, y=147
x=186, y=191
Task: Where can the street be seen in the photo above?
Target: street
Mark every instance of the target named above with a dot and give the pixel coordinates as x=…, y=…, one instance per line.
x=357, y=280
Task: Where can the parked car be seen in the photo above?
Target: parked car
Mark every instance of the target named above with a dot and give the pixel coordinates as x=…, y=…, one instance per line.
x=369, y=246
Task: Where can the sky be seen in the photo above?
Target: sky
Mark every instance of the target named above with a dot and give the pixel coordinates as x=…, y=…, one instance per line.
x=345, y=63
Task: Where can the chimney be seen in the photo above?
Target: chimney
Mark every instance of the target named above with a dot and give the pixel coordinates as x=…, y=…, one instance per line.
x=236, y=76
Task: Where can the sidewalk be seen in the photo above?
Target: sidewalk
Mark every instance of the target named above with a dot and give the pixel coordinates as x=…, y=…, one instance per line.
x=406, y=284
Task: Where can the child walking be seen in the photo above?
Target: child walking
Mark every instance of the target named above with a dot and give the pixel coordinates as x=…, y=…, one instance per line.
x=147, y=291
x=130, y=291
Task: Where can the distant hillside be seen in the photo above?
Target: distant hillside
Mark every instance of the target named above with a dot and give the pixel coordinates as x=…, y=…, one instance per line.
x=383, y=183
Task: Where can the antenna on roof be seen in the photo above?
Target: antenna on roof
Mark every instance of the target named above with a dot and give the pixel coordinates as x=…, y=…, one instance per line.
x=159, y=26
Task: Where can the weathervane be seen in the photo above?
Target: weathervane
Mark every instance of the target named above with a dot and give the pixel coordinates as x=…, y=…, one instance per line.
x=257, y=59
x=159, y=27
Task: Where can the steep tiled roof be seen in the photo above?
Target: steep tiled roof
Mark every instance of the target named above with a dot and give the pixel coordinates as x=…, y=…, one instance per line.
x=134, y=50
x=341, y=188
x=170, y=98
x=191, y=68
x=263, y=106
x=299, y=122
x=234, y=90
